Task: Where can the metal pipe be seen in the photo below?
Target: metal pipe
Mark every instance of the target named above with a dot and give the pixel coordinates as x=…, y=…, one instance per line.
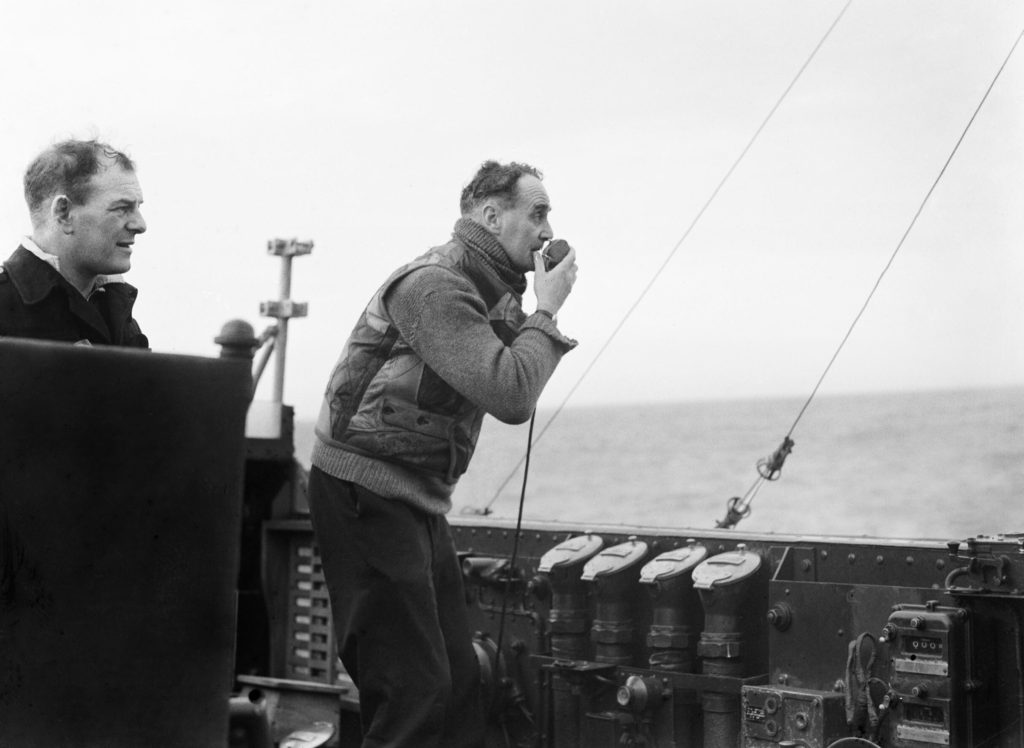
x=265, y=354
x=281, y=343
x=565, y=702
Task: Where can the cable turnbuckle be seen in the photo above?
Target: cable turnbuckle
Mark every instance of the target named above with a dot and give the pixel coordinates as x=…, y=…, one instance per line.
x=733, y=513
x=771, y=467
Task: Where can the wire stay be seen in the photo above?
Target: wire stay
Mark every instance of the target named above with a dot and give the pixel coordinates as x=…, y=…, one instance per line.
x=643, y=294
x=738, y=508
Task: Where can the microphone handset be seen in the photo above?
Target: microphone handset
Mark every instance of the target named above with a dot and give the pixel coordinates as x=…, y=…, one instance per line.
x=555, y=252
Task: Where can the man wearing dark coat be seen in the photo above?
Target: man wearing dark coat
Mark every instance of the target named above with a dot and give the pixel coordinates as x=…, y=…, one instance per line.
x=64, y=282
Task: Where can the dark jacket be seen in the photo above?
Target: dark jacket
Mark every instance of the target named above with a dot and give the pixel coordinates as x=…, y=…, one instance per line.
x=38, y=302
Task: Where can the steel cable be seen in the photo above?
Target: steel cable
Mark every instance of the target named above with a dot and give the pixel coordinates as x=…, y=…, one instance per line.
x=739, y=508
x=629, y=312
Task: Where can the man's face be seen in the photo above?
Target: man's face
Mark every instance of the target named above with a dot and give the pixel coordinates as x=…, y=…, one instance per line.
x=524, y=226
x=105, y=226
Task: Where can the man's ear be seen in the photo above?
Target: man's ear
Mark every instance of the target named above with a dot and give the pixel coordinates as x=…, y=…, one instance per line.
x=491, y=217
x=60, y=210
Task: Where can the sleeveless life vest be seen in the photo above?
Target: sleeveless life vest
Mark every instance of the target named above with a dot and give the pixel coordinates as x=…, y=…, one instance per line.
x=384, y=402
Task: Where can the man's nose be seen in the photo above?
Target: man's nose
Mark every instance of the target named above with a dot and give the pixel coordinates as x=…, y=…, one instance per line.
x=137, y=224
x=545, y=232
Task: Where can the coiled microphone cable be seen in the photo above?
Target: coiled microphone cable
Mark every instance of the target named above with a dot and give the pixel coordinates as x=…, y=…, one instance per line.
x=510, y=570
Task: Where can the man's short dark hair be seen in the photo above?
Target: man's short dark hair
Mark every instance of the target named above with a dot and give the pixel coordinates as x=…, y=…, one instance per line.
x=67, y=167
x=495, y=180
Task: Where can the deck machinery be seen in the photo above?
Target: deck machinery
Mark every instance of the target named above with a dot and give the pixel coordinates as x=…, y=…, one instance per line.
x=635, y=636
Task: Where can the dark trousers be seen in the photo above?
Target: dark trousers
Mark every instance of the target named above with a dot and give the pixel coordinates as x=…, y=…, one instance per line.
x=399, y=615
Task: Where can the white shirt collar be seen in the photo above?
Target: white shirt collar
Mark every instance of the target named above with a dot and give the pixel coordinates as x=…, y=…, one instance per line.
x=54, y=262
x=51, y=260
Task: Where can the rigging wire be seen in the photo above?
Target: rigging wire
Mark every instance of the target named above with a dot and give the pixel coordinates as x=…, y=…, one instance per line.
x=770, y=468
x=629, y=312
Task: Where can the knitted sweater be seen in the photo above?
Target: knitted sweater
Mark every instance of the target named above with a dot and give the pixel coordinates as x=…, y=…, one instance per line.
x=478, y=358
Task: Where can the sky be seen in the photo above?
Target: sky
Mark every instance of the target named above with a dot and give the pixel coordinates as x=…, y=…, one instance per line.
x=356, y=125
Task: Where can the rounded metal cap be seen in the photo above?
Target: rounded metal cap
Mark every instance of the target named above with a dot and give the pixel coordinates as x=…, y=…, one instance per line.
x=726, y=568
x=673, y=563
x=615, y=559
x=572, y=551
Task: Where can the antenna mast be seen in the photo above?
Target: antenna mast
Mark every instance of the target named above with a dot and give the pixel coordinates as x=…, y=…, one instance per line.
x=284, y=308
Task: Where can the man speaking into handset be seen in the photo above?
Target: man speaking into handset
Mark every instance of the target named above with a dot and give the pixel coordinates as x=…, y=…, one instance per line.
x=442, y=342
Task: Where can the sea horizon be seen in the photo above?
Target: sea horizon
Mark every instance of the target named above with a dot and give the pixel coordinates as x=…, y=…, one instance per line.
x=925, y=463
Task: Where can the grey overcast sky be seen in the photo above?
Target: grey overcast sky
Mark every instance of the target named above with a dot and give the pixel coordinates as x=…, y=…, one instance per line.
x=357, y=124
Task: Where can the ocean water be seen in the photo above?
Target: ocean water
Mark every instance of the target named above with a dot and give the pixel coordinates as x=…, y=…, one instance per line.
x=939, y=465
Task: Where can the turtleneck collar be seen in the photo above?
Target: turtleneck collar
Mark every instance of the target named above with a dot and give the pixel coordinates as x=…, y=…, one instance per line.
x=481, y=240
